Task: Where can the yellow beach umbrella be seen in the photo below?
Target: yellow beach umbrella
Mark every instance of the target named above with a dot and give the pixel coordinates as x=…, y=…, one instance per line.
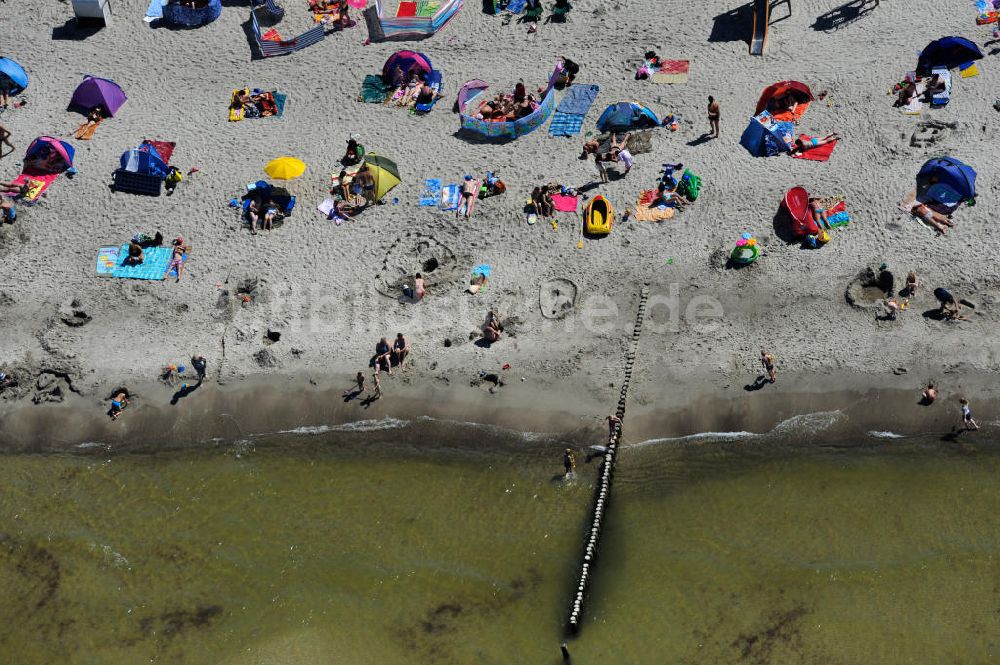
x=285, y=168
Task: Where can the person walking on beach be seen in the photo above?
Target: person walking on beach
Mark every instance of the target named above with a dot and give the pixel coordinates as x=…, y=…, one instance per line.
x=376, y=384
x=200, y=364
x=967, y=420
x=767, y=361
x=713, y=117
x=5, y=135
x=569, y=462
x=360, y=379
x=613, y=423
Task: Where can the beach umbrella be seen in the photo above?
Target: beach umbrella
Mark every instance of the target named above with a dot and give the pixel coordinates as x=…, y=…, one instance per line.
x=800, y=91
x=949, y=52
x=408, y=62
x=285, y=168
x=386, y=174
x=96, y=91
x=14, y=73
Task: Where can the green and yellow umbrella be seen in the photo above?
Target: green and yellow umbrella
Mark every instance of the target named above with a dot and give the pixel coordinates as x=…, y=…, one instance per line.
x=285, y=168
x=386, y=174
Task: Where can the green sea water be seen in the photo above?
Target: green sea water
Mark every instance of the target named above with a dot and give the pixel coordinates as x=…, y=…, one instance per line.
x=312, y=553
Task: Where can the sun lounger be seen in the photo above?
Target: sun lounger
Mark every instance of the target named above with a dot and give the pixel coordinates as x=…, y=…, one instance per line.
x=942, y=98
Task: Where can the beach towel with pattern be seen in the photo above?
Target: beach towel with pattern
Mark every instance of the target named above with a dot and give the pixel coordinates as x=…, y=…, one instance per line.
x=153, y=266
x=432, y=192
x=107, y=260
x=450, y=195
x=39, y=183
x=643, y=213
x=565, y=124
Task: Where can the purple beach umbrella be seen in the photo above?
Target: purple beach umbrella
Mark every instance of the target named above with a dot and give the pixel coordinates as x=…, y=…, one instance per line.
x=96, y=91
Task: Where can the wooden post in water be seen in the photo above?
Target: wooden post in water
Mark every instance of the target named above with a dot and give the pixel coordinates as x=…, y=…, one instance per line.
x=603, y=491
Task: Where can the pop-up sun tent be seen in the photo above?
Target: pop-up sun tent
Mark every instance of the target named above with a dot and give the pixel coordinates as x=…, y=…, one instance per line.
x=623, y=116
x=469, y=90
x=143, y=169
x=385, y=172
x=13, y=76
x=947, y=52
x=96, y=91
x=48, y=155
x=946, y=180
x=778, y=98
x=401, y=65
x=766, y=137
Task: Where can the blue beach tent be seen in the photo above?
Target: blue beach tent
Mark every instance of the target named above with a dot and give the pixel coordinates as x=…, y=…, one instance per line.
x=948, y=52
x=623, y=116
x=947, y=180
x=765, y=137
x=14, y=75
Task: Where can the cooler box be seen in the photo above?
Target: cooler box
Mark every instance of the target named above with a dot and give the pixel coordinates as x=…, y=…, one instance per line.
x=93, y=10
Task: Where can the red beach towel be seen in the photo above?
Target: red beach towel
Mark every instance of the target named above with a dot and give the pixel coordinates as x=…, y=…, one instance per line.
x=564, y=203
x=820, y=153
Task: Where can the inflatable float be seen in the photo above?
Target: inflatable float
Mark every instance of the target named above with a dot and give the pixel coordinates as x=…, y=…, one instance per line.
x=746, y=250
x=598, y=216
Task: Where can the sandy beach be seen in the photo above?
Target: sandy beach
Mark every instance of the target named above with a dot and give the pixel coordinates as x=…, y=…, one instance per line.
x=323, y=286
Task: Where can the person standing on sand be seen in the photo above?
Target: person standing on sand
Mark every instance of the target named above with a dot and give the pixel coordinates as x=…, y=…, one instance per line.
x=767, y=360
x=967, y=420
x=714, y=110
x=200, y=364
x=376, y=385
x=5, y=135
x=360, y=379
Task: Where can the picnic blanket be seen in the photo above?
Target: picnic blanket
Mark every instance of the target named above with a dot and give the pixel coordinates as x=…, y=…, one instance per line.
x=107, y=260
x=564, y=203
x=432, y=192
x=153, y=266
x=644, y=213
x=820, y=153
x=272, y=103
x=373, y=89
x=39, y=183
x=672, y=71
x=450, y=196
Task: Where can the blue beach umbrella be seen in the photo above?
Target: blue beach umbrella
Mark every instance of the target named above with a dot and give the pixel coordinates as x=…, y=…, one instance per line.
x=15, y=74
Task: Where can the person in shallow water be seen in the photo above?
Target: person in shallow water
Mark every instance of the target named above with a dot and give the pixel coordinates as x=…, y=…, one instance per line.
x=569, y=461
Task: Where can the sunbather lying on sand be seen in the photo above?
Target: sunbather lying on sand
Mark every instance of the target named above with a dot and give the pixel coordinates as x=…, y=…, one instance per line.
x=819, y=215
x=177, y=257
x=933, y=217
x=799, y=145
x=85, y=132
x=935, y=84
x=666, y=195
x=15, y=189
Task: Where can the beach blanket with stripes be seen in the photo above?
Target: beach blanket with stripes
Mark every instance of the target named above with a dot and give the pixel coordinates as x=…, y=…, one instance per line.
x=153, y=266
x=572, y=108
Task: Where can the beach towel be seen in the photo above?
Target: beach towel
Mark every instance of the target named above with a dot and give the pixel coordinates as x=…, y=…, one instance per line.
x=326, y=207
x=450, y=195
x=39, y=183
x=85, y=132
x=107, y=260
x=942, y=98
x=916, y=105
x=672, y=71
x=516, y=6
x=164, y=148
x=373, y=89
x=153, y=266
x=565, y=124
x=564, y=203
x=155, y=10
x=820, y=153
x=236, y=112
x=406, y=9
x=432, y=192
x=968, y=70
x=578, y=99
x=643, y=213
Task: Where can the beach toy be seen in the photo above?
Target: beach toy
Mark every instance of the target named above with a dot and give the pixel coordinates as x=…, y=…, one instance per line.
x=741, y=243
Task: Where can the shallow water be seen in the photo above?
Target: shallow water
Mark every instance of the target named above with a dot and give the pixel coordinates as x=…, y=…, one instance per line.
x=314, y=553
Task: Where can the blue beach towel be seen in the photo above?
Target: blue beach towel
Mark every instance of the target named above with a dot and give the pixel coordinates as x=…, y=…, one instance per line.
x=578, y=99
x=482, y=269
x=432, y=192
x=279, y=101
x=153, y=266
x=155, y=10
x=565, y=124
x=516, y=6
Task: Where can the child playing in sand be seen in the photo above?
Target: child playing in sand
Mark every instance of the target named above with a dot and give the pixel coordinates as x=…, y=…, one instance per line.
x=967, y=420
